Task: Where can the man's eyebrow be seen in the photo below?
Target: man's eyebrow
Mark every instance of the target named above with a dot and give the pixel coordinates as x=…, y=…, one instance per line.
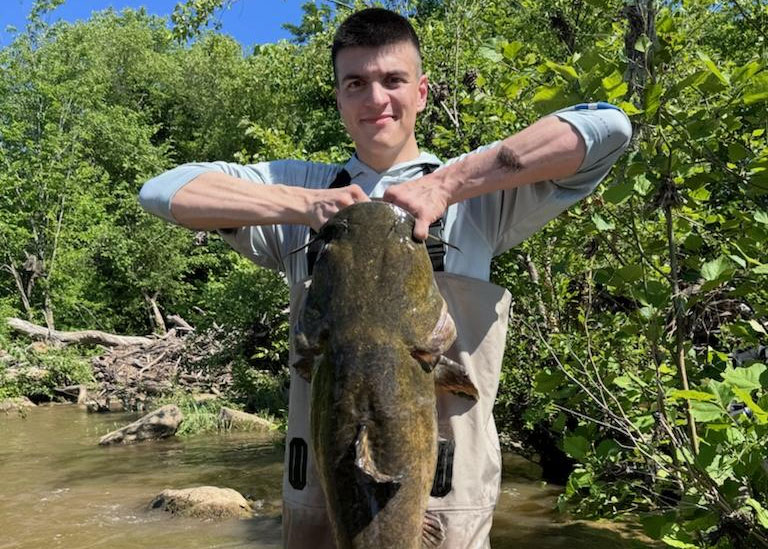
x=388, y=74
x=352, y=76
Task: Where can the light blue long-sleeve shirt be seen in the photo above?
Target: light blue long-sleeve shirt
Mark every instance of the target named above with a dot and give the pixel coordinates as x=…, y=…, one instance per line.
x=481, y=227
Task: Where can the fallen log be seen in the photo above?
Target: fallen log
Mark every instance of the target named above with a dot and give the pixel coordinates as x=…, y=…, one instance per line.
x=84, y=337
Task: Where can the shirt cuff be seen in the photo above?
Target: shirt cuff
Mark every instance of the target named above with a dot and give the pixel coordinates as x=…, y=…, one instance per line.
x=156, y=194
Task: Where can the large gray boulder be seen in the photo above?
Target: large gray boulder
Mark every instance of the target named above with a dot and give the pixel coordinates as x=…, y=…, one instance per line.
x=15, y=403
x=161, y=423
x=235, y=419
x=205, y=502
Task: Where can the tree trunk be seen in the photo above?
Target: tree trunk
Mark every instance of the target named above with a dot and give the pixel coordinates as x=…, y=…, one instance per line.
x=641, y=17
x=156, y=317
x=85, y=337
x=20, y=286
x=48, y=312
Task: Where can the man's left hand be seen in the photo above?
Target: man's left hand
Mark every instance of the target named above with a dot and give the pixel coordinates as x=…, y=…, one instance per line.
x=424, y=198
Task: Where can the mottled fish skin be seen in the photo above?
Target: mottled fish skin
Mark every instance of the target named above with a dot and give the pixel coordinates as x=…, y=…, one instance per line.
x=373, y=307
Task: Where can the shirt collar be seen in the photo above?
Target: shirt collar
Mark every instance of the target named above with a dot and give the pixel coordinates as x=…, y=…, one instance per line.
x=355, y=167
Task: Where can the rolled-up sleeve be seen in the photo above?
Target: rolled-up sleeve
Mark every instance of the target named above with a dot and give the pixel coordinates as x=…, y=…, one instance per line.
x=606, y=133
x=156, y=194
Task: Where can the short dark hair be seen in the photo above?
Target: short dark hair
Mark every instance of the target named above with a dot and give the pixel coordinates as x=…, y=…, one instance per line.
x=372, y=28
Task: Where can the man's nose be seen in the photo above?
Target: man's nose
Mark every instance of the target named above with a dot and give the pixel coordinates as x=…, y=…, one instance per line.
x=377, y=94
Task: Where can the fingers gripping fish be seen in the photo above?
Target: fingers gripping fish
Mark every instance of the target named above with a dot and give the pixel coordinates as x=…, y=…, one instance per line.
x=370, y=337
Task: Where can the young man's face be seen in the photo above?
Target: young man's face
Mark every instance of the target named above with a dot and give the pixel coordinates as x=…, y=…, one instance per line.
x=379, y=92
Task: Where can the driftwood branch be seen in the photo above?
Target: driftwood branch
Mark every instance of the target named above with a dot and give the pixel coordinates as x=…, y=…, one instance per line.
x=85, y=337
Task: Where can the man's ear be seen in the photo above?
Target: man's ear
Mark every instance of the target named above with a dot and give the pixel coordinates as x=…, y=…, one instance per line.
x=423, y=92
x=336, y=97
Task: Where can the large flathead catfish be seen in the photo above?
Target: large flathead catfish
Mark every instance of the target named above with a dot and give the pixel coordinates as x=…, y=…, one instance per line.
x=371, y=335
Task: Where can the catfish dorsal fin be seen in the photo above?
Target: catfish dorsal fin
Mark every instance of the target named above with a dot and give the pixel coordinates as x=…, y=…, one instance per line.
x=364, y=459
x=454, y=377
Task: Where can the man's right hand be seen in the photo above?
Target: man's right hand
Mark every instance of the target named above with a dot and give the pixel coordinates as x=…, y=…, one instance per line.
x=324, y=203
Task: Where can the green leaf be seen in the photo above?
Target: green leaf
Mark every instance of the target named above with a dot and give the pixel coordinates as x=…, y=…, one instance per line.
x=607, y=448
x=756, y=326
x=576, y=446
x=602, y=224
x=693, y=242
x=761, y=217
x=738, y=260
x=706, y=411
x=737, y=152
x=691, y=395
x=546, y=93
x=618, y=193
x=642, y=44
x=629, y=108
x=713, y=68
x=642, y=185
x=746, y=72
x=652, y=99
x=566, y=71
x=630, y=273
x=757, y=90
x=672, y=542
x=490, y=54
x=614, y=85
x=761, y=269
x=712, y=270
x=701, y=194
x=723, y=392
x=511, y=50
x=759, y=414
x=760, y=512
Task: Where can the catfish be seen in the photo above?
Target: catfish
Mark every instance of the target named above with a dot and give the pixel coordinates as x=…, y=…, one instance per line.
x=370, y=337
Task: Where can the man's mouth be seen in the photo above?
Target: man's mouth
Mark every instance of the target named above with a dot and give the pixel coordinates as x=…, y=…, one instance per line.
x=377, y=120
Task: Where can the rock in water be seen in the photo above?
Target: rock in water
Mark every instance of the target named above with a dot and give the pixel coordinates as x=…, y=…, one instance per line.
x=205, y=502
x=161, y=423
x=370, y=337
x=16, y=403
x=235, y=419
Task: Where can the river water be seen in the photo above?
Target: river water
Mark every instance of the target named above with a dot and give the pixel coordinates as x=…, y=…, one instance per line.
x=58, y=488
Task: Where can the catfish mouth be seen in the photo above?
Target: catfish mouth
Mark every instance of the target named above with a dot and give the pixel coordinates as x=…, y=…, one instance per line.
x=364, y=214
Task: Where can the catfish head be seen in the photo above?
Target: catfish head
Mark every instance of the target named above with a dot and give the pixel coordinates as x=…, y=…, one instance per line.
x=373, y=280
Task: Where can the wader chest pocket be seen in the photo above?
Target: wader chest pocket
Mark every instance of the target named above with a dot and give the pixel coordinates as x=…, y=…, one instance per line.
x=441, y=486
x=297, y=463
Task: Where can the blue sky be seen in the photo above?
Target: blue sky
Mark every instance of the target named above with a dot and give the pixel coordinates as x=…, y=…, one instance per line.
x=249, y=21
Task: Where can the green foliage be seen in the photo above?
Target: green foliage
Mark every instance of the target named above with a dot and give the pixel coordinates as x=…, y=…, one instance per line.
x=27, y=371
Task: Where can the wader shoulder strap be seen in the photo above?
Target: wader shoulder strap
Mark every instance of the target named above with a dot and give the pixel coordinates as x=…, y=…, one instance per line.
x=342, y=179
x=436, y=250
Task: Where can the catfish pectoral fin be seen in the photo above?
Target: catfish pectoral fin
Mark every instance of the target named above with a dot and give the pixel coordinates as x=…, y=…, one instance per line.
x=304, y=366
x=427, y=360
x=364, y=460
x=454, y=377
x=433, y=531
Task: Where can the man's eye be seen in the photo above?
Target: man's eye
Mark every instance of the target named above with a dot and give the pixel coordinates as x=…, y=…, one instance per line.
x=355, y=84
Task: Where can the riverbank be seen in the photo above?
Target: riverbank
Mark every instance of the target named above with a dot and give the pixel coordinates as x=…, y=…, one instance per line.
x=180, y=368
x=59, y=489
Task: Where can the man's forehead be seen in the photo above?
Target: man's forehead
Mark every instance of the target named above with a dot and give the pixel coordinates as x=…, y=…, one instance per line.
x=399, y=57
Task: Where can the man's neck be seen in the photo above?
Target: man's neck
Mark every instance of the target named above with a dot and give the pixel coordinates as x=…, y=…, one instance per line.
x=383, y=162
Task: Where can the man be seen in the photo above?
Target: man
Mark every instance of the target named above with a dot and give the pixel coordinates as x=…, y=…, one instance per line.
x=489, y=201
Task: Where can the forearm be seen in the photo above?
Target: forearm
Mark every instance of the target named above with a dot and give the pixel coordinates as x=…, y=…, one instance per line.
x=215, y=200
x=549, y=149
